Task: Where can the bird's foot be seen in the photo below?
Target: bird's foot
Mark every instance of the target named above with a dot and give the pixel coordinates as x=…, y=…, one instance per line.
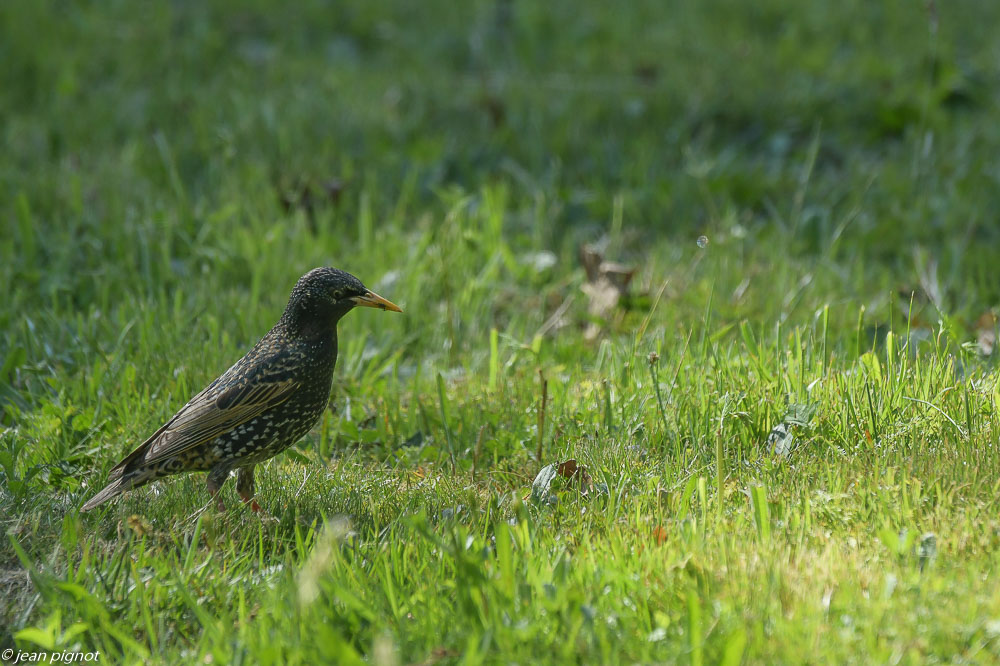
x=264, y=516
x=220, y=506
x=215, y=490
x=249, y=500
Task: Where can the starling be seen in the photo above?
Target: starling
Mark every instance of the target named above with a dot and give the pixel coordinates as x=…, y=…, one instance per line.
x=259, y=407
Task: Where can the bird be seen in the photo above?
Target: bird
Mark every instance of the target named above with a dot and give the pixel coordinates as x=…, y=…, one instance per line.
x=261, y=405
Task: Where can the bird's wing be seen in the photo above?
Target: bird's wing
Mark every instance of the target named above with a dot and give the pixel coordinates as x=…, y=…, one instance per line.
x=208, y=415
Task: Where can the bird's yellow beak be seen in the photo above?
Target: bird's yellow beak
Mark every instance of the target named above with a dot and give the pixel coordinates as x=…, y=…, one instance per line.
x=373, y=300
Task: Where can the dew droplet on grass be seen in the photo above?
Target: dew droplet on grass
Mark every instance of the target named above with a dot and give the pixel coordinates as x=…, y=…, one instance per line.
x=702, y=241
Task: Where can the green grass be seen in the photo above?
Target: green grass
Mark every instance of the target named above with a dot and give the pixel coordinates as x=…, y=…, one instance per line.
x=170, y=169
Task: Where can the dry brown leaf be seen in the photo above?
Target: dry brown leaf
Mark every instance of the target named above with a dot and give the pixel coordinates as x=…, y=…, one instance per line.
x=607, y=282
x=986, y=333
x=308, y=196
x=570, y=469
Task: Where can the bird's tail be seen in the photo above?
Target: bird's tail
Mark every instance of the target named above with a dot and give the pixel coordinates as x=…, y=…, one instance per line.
x=113, y=489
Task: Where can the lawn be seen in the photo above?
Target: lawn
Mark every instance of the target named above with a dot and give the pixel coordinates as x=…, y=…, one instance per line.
x=784, y=425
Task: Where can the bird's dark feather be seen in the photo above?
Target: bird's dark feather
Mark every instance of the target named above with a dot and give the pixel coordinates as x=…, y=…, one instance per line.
x=209, y=414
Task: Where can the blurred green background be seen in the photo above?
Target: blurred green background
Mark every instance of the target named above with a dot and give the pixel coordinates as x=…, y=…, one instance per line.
x=130, y=125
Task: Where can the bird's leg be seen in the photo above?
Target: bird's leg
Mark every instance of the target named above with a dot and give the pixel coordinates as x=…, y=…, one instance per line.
x=216, y=477
x=245, y=487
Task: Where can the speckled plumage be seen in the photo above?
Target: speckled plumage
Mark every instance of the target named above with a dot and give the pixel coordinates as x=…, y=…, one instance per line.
x=263, y=404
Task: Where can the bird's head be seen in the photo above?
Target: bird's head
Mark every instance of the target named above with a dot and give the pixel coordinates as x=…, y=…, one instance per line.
x=324, y=295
